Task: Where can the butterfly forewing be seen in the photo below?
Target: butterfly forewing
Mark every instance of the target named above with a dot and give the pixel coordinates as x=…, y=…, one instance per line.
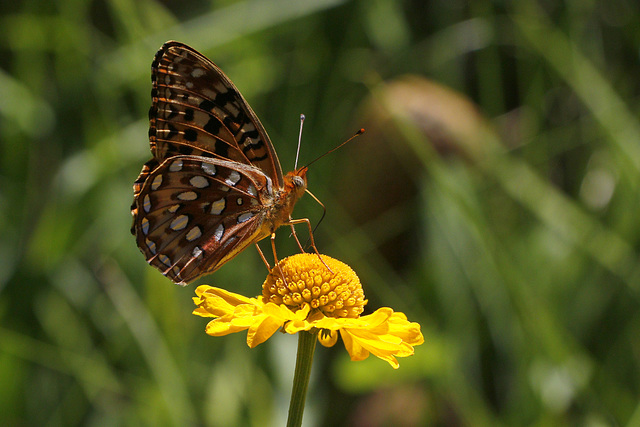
x=193, y=213
x=197, y=110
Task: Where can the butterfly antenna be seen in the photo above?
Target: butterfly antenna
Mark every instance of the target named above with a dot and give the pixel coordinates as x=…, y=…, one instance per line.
x=302, y=117
x=324, y=212
x=360, y=132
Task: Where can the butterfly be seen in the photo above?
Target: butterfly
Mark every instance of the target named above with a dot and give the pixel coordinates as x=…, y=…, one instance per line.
x=214, y=185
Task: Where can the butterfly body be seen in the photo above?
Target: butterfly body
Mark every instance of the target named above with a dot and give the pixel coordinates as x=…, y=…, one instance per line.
x=214, y=185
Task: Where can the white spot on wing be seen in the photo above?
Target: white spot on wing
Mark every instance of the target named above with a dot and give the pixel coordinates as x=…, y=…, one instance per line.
x=245, y=217
x=219, y=232
x=196, y=252
x=151, y=245
x=218, y=206
x=197, y=72
x=145, y=225
x=165, y=260
x=209, y=169
x=187, y=195
x=269, y=186
x=156, y=182
x=176, y=165
x=199, y=181
x=146, y=203
x=179, y=223
x=194, y=233
x=234, y=178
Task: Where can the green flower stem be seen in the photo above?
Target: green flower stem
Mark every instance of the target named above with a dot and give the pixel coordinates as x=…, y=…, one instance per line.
x=306, y=346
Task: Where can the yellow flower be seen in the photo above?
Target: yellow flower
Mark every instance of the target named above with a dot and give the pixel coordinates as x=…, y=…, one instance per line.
x=311, y=298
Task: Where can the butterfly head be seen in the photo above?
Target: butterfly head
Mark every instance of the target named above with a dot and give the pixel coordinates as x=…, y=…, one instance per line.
x=295, y=182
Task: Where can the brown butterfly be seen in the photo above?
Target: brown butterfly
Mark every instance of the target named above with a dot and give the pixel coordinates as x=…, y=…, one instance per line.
x=214, y=185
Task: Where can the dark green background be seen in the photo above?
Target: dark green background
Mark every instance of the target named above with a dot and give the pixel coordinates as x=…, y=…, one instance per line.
x=514, y=243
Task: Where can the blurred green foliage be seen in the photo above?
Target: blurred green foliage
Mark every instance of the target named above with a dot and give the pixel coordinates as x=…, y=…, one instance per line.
x=511, y=235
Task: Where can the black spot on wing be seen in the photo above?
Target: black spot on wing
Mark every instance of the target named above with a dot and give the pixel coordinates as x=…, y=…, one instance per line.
x=206, y=105
x=185, y=149
x=213, y=126
x=223, y=98
x=222, y=149
x=190, y=135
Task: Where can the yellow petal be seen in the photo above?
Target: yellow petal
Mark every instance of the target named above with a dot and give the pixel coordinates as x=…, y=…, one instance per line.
x=378, y=317
x=355, y=350
x=262, y=330
x=220, y=327
x=408, y=331
x=295, y=326
x=384, y=334
x=236, y=313
x=215, y=302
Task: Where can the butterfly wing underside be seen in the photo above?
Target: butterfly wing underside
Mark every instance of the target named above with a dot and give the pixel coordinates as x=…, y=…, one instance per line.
x=187, y=220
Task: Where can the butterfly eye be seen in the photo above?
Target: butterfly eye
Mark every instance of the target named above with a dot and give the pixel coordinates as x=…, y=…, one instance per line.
x=298, y=181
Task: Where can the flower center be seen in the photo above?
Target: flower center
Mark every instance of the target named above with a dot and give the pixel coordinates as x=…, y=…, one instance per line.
x=336, y=293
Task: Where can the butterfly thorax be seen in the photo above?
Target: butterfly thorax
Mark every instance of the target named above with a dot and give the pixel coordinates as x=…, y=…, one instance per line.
x=295, y=184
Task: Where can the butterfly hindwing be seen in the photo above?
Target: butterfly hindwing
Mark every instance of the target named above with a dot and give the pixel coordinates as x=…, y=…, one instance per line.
x=197, y=110
x=194, y=213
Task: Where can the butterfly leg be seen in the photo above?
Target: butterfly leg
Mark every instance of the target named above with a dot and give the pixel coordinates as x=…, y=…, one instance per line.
x=292, y=222
x=263, y=257
x=295, y=235
x=275, y=257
